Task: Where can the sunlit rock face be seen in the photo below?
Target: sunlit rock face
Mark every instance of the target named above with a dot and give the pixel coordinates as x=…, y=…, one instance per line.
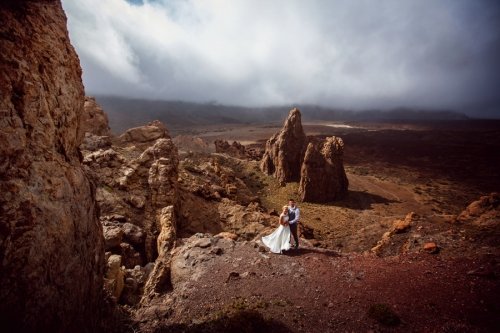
x=51, y=243
x=285, y=150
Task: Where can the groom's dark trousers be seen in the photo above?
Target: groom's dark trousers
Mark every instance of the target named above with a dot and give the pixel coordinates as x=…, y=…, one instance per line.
x=293, y=230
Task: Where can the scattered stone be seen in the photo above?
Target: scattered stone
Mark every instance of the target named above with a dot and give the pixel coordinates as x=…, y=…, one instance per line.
x=431, y=247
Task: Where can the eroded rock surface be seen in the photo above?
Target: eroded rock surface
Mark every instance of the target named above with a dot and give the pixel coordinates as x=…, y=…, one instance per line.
x=51, y=242
x=285, y=150
x=147, y=133
x=323, y=178
x=94, y=119
x=482, y=212
x=137, y=192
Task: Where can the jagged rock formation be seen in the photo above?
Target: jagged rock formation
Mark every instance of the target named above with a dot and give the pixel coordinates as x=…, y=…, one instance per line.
x=289, y=156
x=51, y=243
x=94, y=120
x=137, y=192
x=323, y=177
x=187, y=143
x=285, y=150
x=237, y=150
x=95, y=125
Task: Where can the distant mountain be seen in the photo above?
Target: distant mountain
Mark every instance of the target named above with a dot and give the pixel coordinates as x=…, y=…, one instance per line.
x=124, y=113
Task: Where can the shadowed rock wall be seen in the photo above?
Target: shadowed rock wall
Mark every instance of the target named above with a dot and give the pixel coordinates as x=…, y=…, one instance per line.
x=323, y=177
x=51, y=243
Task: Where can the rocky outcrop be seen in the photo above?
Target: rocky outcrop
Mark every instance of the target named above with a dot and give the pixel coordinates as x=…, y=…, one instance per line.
x=482, y=212
x=285, y=150
x=187, y=143
x=94, y=120
x=137, y=192
x=323, y=177
x=51, y=243
x=237, y=150
x=147, y=133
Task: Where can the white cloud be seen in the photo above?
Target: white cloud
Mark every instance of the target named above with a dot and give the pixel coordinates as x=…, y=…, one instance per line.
x=355, y=53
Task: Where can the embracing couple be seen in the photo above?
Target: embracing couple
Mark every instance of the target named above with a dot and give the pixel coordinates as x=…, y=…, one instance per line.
x=279, y=240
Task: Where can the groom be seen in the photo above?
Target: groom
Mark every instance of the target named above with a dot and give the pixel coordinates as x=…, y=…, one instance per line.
x=293, y=220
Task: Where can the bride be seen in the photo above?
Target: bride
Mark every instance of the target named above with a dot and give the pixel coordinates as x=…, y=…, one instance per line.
x=279, y=240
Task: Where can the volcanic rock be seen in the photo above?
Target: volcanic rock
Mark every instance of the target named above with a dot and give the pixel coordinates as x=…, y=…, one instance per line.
x=150, y=132
x=483, y=212
x=114, y=276
x=51, y=242
x=112, y=236
x=235, y=149
x=285, y=150
x=94, y=120
x=431, y=247
x=323, y=178
x=189, y=143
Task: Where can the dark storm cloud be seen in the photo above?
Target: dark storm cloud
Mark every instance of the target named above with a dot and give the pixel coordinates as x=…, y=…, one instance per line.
x=357, y=54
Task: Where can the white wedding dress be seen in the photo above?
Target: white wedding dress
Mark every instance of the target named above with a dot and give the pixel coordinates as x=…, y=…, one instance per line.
x=279, y=240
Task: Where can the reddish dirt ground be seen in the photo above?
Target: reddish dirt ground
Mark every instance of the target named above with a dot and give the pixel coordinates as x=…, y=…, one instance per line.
x=313, y=290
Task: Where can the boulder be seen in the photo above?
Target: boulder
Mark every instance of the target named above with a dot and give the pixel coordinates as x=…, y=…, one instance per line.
x=113, y=235
x=51, y=242
x=323, y=178
x=285, y=150
x=147, y=133
x=133, y=234
x=431, y=247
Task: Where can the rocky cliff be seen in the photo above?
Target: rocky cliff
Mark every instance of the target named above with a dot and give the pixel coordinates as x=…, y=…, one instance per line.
x=323, y=177
x=285, y=150
x=51, y=244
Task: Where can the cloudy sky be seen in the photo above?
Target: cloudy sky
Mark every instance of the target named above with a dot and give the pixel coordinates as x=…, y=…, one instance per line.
x=343, y=53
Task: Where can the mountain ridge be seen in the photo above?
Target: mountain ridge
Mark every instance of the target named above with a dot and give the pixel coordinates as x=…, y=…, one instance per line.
x=129, y=112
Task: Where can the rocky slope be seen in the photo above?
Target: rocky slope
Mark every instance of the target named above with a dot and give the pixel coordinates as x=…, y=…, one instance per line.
x=51, y=244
